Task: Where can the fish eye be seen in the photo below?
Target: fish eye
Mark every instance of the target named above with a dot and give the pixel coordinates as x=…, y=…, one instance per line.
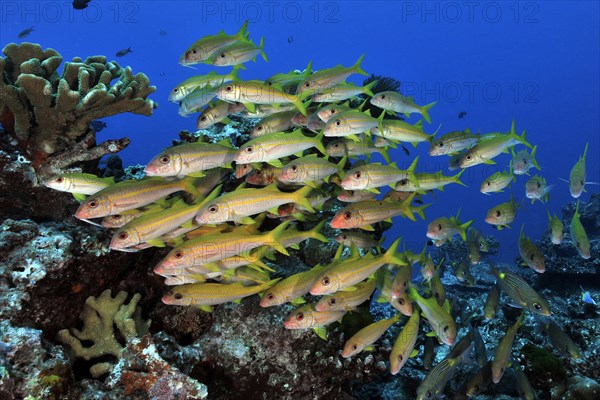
x=178, y=254
x=357, y=174
x=249, y=149
x=259, y=128
x=344, y=237
x=306, y=84
x=222, y=55
x=383, y=97
x=175, y=90
x=332, y=111
x=525, y=162
x=489, y=183
x=300, y=316
x=294, y=168
x=581, y=183
x=270, y=296
x=213, y=209
x=468, y=157
x=117, y=217
x=325, y=281
x=203, y=118
x=59, y=179
x=446, y=327
x=354, y=347
x=122, y=235
x=178, y=296
x=537, y=306
x=336, y=145
x=429, y=394
x=498, y=213
x=532, y=257
x=401, y=302
x=93, y=204
x=441, y=144
x=400, y=357
x=539, y=185
x=347, y=215
x=228, y=88
x=164, y=159
x=439, y=227
x=403, y=182
x=338, y=122
x=332, y=301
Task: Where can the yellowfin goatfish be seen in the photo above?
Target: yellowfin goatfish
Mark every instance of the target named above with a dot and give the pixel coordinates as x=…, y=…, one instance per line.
x=204, y=48
x=358, y=239
x=425, y=181
x=270, y=148
x=310, y=169
x=536, y=189
x=306, y=317
x=579, y=237
x=490, y=146
x=364, y=213
x=238, y=53
x=394, y=101
x=128, y=195
x=504, y=350
x=347, y=299
x=326, y=78
x=250, y=93
x=502, y=215
x=330, y=111
x=212, y=79
x=531, y=254
x=368, y=335
x=352, y=271
x=375, y=175
x=350, y=123
x=577, y=177
x=342, y=91
x=240, y=204
x=218, y=246
x=214, y=113
x=78, y=184
x=404, y=345
x=556, y=229
x=190, y=158
x=522, y=161
x=400, y=131
x=492, y=302
x=453, y=142
x=278, y=122
x=292, y=288
x=521, y=293
x=559, y=339
x=350, y=148
x=208, y=294
x=497, y=182
x=439, y=317
x=445, y=228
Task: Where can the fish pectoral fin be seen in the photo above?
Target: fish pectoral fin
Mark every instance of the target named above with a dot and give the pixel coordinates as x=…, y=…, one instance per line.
x=348, y=289
x=245, y=221
x=276, y=163
x=298, y=301
x=79, y=197
x=156, y=242
x=430, y=334
x=321, y=332
x=413, y=353
x=237, y=301
x=207, y=309
x=367, y=227
x=197, y=174
x=369, y=348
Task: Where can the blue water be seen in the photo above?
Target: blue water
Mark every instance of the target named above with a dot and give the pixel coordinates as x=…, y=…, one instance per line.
x=536, y=63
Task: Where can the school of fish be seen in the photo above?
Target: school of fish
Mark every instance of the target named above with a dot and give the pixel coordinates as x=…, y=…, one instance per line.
x=312, y=143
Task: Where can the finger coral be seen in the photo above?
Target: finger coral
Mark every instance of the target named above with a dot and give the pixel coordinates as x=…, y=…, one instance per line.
x=98, y=316
x=48, y=114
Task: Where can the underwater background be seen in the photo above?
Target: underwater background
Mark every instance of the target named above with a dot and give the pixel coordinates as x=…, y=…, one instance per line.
x=485, y=64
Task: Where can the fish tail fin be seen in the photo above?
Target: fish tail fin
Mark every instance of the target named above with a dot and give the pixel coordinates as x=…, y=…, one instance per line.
x=262, y=49
x=319, y=143
x=385, y=154
x=301, y=200
x=533, y=160
x=299, y=102
x=420, y=210
x=272, y=238
x=425, y=111
x=367, y=88
x=463, y=230
x=316, y=234
x=411, y=172
x=406, y=209
x=392, y=256
x=456, y=178
x=357, y=66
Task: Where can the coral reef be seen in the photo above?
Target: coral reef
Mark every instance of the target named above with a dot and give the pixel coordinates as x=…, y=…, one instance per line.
x=100, y=317
x=48, y=115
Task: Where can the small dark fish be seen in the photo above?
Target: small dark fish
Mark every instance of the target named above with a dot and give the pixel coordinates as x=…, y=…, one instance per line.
x=162, y=74
x=80, y=4
x=405, y=150
x=97, y=125
x=123, y=52
x=418, y=201
x=290, y=39
x=25, y=33
x=462, y=114
x=163, y=32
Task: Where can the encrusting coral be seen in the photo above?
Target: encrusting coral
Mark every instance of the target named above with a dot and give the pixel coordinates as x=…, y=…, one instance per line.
x=48, y=114
x=98, y=316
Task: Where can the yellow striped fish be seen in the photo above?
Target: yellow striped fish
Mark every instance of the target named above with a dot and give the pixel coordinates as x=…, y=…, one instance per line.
x=347, y=299
x=329, y=77
x=363, y=339
x=439, y=317
x=404, y=344
x=292, y=288
x=371, y=176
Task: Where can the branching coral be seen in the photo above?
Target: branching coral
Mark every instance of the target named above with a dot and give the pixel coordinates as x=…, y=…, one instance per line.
x=98, y=316
x=49, y=114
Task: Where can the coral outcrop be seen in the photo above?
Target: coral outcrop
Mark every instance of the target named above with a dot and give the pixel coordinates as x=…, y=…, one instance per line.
x=48, y=114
